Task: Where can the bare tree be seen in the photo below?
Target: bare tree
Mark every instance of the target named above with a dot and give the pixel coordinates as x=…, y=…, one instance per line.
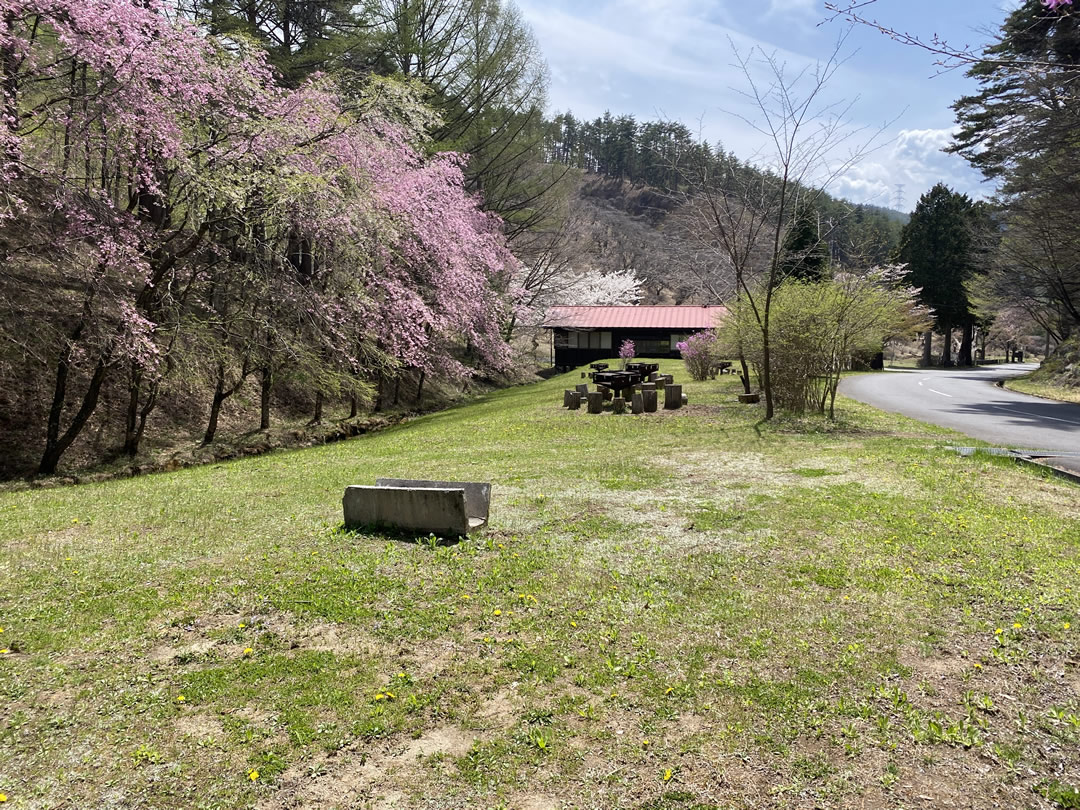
x=744, y=210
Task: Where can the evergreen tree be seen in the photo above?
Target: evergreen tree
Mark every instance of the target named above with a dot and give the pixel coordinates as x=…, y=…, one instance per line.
x=805, y=251
x=937, y=247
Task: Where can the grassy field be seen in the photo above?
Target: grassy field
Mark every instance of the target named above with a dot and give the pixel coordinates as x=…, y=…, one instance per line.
x=673, y=611
x=1045, y=390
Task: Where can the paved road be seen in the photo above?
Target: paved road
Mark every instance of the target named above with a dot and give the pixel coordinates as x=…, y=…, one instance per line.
x=967, y=400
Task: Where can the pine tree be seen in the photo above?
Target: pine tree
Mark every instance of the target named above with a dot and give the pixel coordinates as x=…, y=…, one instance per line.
x=937, y=246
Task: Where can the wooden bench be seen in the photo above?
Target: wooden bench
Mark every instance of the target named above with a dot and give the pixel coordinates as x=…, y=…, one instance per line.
x=438, y=507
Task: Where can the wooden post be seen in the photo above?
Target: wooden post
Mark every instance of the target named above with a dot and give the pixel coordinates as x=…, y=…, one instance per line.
x=618, y=405
x=636, y=404
x=596, y=402
x=648, y=400
x=672, y=397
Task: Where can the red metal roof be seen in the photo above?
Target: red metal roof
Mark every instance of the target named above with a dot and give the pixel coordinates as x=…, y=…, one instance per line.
x=634, y=317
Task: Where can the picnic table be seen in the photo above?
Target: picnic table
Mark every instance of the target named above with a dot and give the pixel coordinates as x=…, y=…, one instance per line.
x=645, y=368
x=618, y=380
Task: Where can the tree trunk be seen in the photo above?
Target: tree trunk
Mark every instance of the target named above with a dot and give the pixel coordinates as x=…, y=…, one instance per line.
x=264, y=397
x=354, y=407
x=316, y=418
x=397, y=389
x=131, y=424
x=215, y=406
x=377, y=406
x=927, y=349
x=745, y=376
x=964, y=356
x=946, y=345
x=56, y=444
x=420, y=388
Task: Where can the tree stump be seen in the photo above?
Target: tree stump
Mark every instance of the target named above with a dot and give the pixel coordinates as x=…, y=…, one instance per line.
x=575, y=401
x=618, y=405
x=672, y=397
x=749, y=399
x=652, y=376
x=566, y=397
x=636, y=404
x=596, y=402
x=583, y=389
x=648, y=400
x=685, y=400
x=649, y=386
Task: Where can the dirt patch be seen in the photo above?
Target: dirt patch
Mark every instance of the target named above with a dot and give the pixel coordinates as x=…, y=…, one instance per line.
x=453, y=742
x=168, y=654
x=198, y=726
x=497, y=712
x=374, y=775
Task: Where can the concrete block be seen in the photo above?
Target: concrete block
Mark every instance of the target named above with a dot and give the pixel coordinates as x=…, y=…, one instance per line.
x=596, y=402
x=477, y=493
x=636, y=404
x=438, y=511
x=648, y=401
x=618, y=405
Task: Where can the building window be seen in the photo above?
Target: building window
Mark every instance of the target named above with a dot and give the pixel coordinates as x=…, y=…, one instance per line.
x=676, y=339
x=588, y=340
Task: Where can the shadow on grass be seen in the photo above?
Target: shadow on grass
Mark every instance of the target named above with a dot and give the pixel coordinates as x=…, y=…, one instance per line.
x=383, y=532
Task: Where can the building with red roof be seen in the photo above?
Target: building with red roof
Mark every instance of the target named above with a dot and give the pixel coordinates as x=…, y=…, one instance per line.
x=583, y=335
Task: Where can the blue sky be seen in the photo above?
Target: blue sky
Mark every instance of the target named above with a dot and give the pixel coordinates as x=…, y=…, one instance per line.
x=672, y=59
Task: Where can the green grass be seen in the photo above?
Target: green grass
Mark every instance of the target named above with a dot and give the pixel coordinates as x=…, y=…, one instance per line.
x=1041, y=388
x=795, y=613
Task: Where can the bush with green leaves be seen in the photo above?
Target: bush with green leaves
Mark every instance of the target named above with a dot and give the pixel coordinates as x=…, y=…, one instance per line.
x=816, y=328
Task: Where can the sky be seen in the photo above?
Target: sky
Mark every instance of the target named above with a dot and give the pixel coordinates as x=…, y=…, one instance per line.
x=674, y=60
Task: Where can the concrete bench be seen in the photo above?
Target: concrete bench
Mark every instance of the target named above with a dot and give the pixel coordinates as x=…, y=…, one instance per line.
x=439, y=507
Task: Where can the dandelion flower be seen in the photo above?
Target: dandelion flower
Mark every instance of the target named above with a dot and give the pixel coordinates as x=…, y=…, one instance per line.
x=253, y=775
x=241, y=625
x=573, y=624
x=180, y=699
x=380, y=696
x=498, y=612
x=668, y=773
x=1066, y=625
x=645, y=743
x=3, y=797
x=1017, y=626
x=998, y=632
x=248, y=650
x=465, y=596
x=669, y=690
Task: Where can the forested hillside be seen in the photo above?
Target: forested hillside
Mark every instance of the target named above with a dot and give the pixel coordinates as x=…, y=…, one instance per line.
x=231, y=213
x=663, y=156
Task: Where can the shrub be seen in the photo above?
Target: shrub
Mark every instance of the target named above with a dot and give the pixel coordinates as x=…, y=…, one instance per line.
x=700, y=353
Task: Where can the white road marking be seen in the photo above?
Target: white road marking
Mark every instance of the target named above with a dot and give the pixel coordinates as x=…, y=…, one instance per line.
x=950, y=396
x=1037, y=415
